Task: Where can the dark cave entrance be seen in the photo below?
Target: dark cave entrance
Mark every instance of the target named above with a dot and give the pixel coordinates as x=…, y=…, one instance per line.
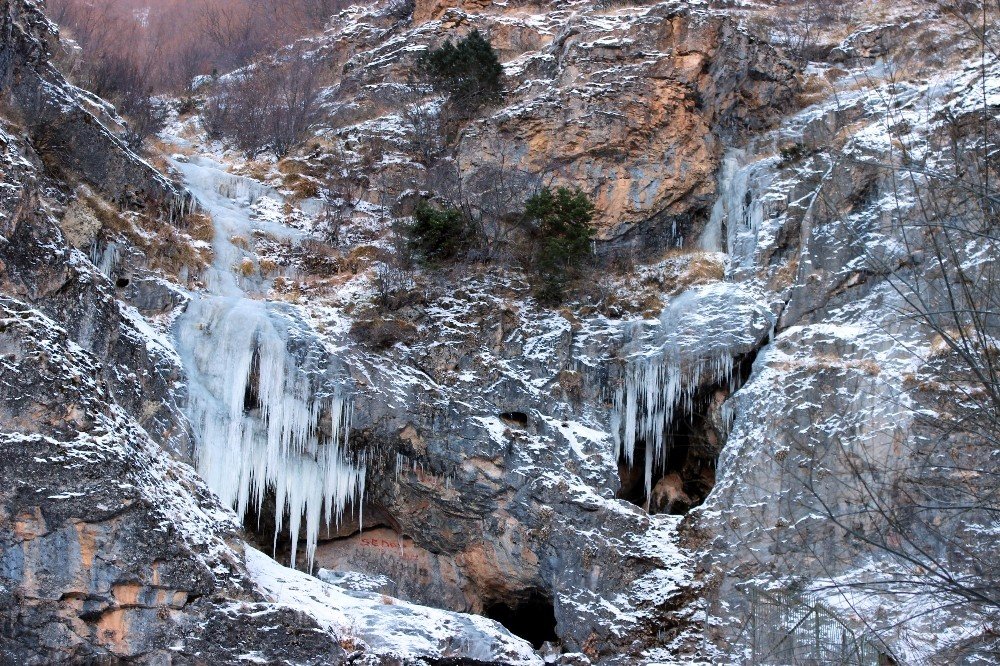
x=684, y=478
x=633, y=485
x=532, y=617
x=517, y=419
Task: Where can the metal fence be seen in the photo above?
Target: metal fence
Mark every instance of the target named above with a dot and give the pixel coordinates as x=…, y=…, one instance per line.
x=786, y=630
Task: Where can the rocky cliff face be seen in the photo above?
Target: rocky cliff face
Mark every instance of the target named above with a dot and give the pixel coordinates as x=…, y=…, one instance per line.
x=617, y=482
x=113, y=549
x=634, y=107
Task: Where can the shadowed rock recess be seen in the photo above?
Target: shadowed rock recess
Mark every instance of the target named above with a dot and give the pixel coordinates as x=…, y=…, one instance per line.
x=240, y=422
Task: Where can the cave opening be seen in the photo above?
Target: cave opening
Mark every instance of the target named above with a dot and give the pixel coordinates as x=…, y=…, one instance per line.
x=683, y=480
x=251, y=394
x=633, y=485
x=532, y=617
x=519, y=419
x=122, y=282
x=694, y=439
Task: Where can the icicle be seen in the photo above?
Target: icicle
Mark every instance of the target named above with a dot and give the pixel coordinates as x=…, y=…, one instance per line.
x=657, y=389
x=107, y=259
x=245, y=449
x=269, y=416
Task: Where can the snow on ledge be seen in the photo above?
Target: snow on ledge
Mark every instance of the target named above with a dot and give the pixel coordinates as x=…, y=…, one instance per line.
x=388, y=625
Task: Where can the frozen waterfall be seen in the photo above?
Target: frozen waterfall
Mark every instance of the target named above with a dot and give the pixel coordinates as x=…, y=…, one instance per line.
x=741, y=208
x=270, y=405
x=697, y=341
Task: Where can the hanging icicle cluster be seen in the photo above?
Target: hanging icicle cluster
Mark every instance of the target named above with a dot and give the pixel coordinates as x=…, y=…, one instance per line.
x=697, y=342
x=105, y=257
x=182, y=205
x=263, y=423
x=656, y=389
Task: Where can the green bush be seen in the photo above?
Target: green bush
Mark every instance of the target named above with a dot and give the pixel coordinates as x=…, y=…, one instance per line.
x=468, y=72
x=560, y=224
x=437, y=234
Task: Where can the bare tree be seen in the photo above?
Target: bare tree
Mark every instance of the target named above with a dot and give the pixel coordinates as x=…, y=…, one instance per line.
x=344, y=186
x=425, y=127
x=929, y=502
x=268, y=105
x=493, y=198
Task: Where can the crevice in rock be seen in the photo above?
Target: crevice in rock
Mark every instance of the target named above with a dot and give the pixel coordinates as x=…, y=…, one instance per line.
x=531, y=616
x=251, y=394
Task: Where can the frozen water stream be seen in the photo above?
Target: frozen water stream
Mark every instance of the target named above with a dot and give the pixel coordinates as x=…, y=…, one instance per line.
x=269, y=404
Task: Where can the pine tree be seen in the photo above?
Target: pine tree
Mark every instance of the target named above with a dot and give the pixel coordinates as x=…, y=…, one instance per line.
x=560, y=222
x=437, y=234
x=468, y=72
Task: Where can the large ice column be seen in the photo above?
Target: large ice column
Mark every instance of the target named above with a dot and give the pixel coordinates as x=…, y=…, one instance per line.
x=731, y=192
x=263, y=421
x=270, y=408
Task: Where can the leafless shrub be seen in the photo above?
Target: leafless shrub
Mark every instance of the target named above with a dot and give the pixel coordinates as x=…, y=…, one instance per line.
x=267, y=106
x=426, y=132
x=382, y=333
x=391, y=283
x=344, y=186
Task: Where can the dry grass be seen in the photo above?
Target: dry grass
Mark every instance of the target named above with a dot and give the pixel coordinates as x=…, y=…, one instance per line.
x=111, y=218
x=268, y=266
x=300, y=178
x=258, y=171
x=302, y=187
x=691, y=269
x=815, y=88
x=246, y=267
x=166, y=249
x=826, y=361
x=785, y=275
x=200, y=227
x=287, y=290
x=240, y=242
x=361, y=258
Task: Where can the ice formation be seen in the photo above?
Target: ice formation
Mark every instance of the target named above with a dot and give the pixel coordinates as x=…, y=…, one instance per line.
x=106, y=258
x=739, y=212
x=696, y=341
x=270, y=407
x=654, y=391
